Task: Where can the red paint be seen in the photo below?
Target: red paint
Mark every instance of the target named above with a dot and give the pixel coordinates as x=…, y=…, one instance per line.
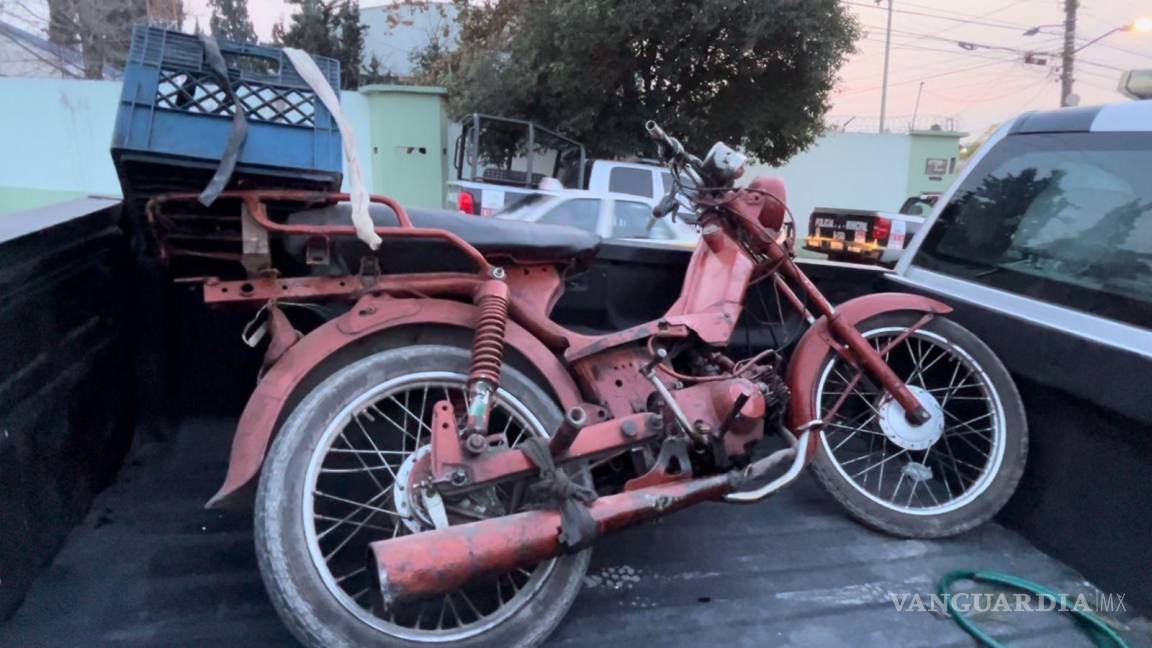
x=442, y=560
x=741, y=242
x=813, y=348
x=476, y=471
x=369, y=317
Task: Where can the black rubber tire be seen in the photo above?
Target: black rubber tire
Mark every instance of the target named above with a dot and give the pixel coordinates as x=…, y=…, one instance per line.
x=294, y=585
x=984, y=506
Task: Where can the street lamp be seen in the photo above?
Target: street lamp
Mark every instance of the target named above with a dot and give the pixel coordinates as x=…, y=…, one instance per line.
x=1140, y=26
x=1067, y=97
x=1036, y=30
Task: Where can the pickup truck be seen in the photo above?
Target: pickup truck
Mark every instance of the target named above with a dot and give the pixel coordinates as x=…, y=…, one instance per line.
x=121, y=400
x=867, y=236
x=122, y=394
x=552, y=162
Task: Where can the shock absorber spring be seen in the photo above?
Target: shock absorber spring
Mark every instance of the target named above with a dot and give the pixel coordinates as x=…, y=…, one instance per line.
x=487, y=354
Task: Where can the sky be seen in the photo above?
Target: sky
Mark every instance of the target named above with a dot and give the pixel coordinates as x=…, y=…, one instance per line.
x=971, y=89
x=977, y=88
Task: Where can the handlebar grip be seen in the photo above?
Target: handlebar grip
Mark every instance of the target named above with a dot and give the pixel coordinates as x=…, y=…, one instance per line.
x=654, y=131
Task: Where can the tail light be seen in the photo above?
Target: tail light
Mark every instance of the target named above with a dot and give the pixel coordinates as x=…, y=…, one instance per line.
x=881, y=228
x=466, y=203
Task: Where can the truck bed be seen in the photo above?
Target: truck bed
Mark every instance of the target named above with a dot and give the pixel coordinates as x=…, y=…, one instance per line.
x=150, y=567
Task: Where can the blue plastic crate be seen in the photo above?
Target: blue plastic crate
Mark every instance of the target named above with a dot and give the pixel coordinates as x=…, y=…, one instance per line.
x=174, y=112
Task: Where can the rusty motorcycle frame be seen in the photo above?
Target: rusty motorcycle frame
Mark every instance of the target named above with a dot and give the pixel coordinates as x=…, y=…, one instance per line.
x=620, y=391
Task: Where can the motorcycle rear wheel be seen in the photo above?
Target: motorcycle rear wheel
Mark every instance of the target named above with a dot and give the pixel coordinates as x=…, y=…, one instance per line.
x=936, y=480
x=355, y=434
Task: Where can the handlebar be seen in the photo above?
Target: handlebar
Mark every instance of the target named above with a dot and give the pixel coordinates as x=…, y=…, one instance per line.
x=670, y=147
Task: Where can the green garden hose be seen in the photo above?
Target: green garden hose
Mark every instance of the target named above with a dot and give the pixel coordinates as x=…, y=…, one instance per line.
x=1102, y=635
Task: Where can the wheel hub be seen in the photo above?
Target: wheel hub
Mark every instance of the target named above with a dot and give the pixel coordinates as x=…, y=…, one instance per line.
x=899, y=430
x=406, y=490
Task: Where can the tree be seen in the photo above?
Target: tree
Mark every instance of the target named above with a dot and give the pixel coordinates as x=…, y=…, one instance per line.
x=754, y=73
x=330, y=29
x=101, y=31
x=230, y=21
x=374, y=72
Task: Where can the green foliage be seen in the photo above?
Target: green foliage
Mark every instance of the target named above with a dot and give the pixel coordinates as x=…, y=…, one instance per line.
x=330, y=29
x=754, y=73
x=230, y=21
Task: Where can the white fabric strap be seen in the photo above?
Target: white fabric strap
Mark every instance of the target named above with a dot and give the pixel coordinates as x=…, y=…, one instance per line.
x=306, y=68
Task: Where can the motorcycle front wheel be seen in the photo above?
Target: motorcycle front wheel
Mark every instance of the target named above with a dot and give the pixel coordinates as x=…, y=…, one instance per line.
x=922, y=481
x=335, y=480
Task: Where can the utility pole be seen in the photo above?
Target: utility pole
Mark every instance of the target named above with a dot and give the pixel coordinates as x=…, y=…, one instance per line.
x=1066, y=68
x=887, y=51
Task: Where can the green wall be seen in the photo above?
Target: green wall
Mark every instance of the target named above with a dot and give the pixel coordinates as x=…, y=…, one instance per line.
x=942, y=148
x=409, y=154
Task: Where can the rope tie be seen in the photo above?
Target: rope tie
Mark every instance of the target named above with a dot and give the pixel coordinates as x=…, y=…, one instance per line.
x=578, y=530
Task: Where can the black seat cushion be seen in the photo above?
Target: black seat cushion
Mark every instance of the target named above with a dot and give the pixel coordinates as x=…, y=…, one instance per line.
x=494, y=238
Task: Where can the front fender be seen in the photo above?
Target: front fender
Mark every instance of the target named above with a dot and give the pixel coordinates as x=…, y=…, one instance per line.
x=808, y=357
x=369, y=317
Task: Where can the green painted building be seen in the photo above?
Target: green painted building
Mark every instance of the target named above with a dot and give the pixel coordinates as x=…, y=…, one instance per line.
x=933, y=160
x=409, y=152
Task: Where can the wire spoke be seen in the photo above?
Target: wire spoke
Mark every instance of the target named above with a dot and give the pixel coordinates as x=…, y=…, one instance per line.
x=882, y=462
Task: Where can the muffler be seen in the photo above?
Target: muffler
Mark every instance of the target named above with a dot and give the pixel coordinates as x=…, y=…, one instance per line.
x=443, y=560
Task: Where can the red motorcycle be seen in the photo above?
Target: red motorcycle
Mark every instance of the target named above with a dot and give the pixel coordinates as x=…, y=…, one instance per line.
x=433, y=465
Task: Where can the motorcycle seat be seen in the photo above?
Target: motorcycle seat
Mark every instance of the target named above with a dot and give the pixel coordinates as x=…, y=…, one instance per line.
x=493, y=237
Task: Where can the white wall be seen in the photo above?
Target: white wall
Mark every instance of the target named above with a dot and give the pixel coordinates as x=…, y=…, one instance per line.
x=844, y=170
x=56, y=134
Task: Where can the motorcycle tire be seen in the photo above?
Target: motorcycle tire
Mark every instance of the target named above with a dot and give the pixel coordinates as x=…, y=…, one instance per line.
x=295, y=580
x=946, y=466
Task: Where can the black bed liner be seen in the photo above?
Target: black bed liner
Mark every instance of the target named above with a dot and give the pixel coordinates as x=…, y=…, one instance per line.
x=151, y=567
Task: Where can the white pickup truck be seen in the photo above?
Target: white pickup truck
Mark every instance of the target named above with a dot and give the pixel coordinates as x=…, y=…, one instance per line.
x=551, y=162
x=490, y=195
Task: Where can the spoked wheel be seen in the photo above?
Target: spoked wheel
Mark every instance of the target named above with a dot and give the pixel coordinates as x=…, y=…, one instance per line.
x=346, y=470
x=935, y=479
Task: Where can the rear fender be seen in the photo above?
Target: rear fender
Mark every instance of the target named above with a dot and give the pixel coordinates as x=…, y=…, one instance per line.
x=370, y=317
x=808, y=357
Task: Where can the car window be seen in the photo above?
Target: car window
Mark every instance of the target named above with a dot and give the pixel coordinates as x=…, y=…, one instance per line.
x=637, y=182
x=630, y=220
x=581, y=213
x=1064, y=218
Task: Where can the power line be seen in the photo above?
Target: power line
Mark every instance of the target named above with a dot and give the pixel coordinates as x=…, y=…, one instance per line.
x=964, y=16
x=927, y=78
x=971, y=21
x=1002, y=48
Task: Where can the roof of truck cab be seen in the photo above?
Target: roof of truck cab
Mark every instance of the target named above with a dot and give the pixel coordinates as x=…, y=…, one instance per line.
x=1128, y=116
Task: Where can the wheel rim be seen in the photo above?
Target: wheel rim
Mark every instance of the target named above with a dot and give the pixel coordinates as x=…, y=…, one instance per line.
x=915, y=471
x=351, y=499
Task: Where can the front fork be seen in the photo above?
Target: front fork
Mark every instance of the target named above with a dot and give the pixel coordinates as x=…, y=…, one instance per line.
x=844, y=332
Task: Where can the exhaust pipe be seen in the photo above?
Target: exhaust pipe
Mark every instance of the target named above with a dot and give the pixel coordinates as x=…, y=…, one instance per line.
x=443, y=560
